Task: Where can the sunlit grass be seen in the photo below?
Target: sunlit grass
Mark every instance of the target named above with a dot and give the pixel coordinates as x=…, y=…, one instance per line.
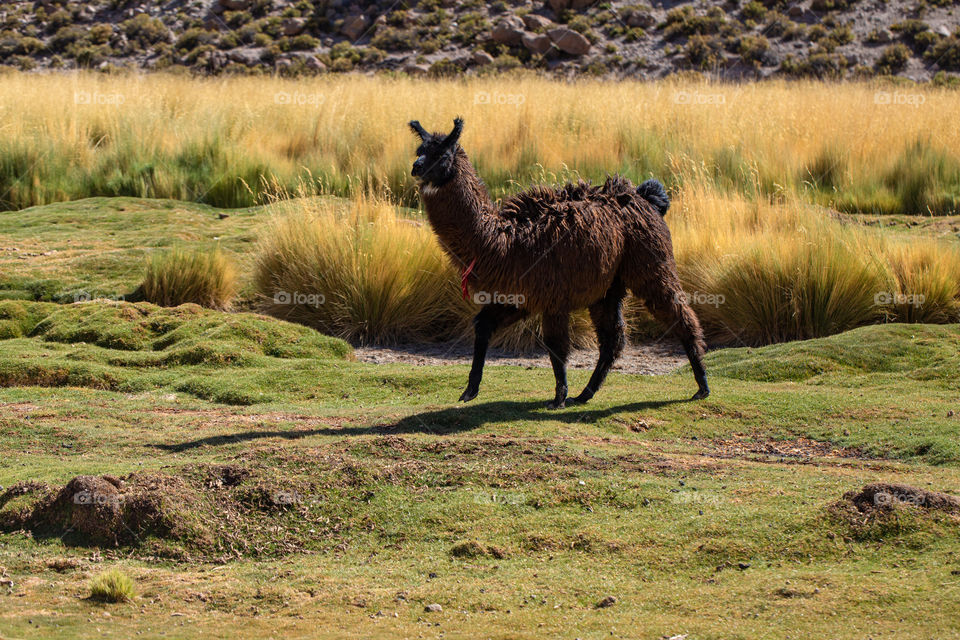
x=234, y=141
x=205, y=277
x=112, y=585
x=756, y=270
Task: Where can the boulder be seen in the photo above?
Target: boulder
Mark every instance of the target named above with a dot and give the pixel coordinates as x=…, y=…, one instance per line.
x=569, y=41
x=354, y=26
x=795, y=11
x=293, y=26
x=244, y=56
x=509, y=31
x=535, y=22
x=314, y=63
x=481, y=57
x=640, y=19
x=539, y=44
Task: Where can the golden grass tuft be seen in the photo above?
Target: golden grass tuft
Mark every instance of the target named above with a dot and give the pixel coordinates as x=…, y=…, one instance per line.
x=178, y=276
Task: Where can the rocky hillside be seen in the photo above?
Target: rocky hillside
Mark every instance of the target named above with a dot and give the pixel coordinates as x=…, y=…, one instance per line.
x=919, y=39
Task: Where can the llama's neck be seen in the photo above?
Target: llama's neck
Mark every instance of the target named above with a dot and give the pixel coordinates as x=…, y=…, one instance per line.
x=460, y=212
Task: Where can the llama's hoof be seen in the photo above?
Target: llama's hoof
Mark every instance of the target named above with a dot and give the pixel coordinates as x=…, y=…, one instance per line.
x=700, y=395
x=555, y=404
x=469, y=394
x=583, y=398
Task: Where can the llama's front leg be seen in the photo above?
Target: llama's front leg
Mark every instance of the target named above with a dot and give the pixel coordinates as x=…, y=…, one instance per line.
x=485, y=323
x=556, y=338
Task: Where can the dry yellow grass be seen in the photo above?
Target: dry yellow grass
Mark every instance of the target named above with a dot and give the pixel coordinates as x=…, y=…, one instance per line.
x=756, y=271
x=203, y=139
x=745, y=163
x=178, y=276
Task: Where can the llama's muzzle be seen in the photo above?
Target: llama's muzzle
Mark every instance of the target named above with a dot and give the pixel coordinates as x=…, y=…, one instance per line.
x=418, y=166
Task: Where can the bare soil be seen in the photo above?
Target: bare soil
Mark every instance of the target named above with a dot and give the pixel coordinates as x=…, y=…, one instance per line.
x=644, y=359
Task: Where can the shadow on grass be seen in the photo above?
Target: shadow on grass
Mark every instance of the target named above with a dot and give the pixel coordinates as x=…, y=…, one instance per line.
x=439, y=422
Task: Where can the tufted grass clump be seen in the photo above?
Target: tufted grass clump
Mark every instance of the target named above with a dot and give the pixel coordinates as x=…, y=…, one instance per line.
x=112, y=586
x=204, y=277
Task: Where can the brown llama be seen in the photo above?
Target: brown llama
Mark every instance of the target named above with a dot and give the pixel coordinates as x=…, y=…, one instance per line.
x=553, y=251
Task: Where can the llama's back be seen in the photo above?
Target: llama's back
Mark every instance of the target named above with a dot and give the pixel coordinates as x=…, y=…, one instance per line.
x=569, y=241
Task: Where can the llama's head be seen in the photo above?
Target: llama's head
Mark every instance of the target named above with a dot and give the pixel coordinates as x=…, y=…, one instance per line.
x=436, y=153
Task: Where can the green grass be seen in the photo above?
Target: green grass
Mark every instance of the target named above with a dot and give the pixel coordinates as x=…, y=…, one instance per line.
x=99, y=247
x=112, y=586
x=310, y=492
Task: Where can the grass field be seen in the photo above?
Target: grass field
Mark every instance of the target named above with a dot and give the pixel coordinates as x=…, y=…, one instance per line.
x=229, y=142
x=291, y=490
x=184, y=471
x=766, y=179
x=306, y=495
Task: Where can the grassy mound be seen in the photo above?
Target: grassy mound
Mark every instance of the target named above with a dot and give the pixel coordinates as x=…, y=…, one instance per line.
x=124, y=346
x=923, y=352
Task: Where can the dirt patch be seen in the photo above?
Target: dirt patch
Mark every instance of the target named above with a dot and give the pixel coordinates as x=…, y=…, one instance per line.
x=883, y=511
x=886, y=497
x=740, y=446
x=473, y=549
x=651, y=359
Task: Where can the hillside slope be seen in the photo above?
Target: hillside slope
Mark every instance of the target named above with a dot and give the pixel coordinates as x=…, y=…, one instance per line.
x=818, y=38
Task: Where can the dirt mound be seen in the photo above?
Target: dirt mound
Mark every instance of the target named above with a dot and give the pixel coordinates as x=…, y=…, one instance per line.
x=102, y=510
x=224, y=510
x=887, y=497
x=881, y=511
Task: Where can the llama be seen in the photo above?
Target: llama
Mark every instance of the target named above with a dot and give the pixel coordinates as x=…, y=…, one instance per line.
x=556, y=251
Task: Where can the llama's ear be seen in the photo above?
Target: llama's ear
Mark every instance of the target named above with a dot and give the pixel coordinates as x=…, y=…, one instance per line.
x=454, y=136
x=417, y=129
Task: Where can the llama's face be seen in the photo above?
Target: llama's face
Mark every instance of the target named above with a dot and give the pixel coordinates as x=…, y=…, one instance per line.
x=435, y=155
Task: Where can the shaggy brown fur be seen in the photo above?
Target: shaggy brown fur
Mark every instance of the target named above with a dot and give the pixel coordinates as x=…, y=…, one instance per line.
x=555, y=251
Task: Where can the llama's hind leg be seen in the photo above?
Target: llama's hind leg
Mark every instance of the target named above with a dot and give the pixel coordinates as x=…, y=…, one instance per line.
x=666, y=301
x=556, y=338
x=485, y=323
x=607, y=316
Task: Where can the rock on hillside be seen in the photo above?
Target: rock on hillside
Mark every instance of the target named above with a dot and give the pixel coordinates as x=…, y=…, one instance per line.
x=734, y=39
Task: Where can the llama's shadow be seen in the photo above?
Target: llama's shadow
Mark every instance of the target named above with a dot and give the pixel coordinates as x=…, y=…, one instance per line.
x=456, y=419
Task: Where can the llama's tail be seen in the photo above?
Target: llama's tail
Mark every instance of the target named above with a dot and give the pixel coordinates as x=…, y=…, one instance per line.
x=654, y=192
